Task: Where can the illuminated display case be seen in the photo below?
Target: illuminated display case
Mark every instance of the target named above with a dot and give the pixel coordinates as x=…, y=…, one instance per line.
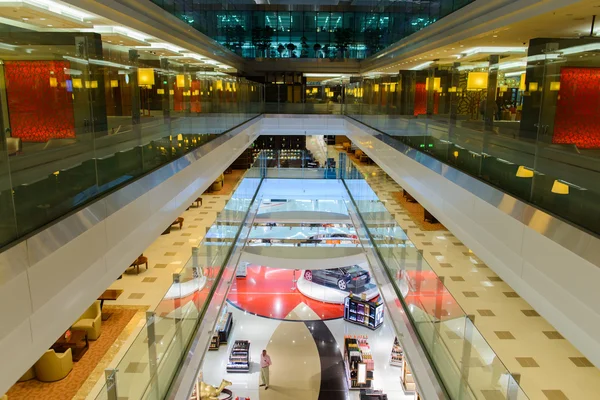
x=361, y=312
x=358, y=361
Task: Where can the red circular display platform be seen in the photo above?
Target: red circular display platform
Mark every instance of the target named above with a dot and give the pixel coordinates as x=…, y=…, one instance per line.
x=268, y=292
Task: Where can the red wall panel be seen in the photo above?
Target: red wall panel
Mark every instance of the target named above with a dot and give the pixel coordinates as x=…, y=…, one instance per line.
x=39, y=112
x=420, y=99
x=577, y=119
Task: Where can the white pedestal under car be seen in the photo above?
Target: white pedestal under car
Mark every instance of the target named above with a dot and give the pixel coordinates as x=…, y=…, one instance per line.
x=350, y=279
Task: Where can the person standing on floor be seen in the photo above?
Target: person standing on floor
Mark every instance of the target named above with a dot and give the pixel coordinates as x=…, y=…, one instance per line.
x=265, y=363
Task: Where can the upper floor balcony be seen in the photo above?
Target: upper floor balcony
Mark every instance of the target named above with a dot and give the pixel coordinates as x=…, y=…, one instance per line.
x=349, y=30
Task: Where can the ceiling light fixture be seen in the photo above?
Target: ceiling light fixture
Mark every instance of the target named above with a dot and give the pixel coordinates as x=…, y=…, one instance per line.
x=493, y=50
x=421, y=66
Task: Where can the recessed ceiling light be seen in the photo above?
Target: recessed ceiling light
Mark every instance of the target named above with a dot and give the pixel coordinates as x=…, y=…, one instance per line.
x=49, y=25
x=42, y=19
x=495, y=36
x=25, y=19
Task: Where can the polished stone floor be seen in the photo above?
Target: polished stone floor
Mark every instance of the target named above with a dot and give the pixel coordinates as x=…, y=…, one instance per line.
x=306, y=356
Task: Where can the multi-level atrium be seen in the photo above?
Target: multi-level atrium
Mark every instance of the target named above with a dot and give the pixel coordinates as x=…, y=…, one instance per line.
x=393, y=199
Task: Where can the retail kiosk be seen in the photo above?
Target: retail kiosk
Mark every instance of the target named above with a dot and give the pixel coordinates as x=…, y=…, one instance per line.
x=363, y=312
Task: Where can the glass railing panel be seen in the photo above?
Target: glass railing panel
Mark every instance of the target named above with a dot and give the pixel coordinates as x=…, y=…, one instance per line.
x=159, y=347
x=521, y=140
x=81, y=123
x=455, y=347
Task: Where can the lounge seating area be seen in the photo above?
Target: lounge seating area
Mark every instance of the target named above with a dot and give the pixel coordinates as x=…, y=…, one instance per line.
x=141, y=260
x=53, y=366
x=91, y=321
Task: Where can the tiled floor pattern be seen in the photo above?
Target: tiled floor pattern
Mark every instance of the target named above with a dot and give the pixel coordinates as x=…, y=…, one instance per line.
x=68, y=387
x=166, y=256
x=550, y=367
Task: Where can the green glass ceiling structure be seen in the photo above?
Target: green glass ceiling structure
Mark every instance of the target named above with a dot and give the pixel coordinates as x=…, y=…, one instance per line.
x=356, y=29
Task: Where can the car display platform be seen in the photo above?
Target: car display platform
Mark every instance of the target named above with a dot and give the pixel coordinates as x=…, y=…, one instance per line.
x=332, y=295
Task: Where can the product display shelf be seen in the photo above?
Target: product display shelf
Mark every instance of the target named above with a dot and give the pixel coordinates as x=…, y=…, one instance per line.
x=372, y=394
x=363, y=312
x=407, y=379
x=356, y=354
x=222, y=330
x=239, y=359
x=397, y=354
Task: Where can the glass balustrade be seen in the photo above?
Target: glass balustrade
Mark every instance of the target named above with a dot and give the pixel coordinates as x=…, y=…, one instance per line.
x=527, y=127
x=162, y=342
x=464, y=361
x=324, y=32
x=83, y=115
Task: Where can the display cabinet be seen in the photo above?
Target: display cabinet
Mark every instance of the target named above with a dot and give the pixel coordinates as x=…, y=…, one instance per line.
x=362, y=312
x=239, y=359
x=358, y=361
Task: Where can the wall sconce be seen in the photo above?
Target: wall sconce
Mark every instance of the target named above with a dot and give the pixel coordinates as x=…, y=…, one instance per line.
x=219, y=85
x=503, y=88
x=180, y=137
x=477, y=80
x=533, y=86
x=376, y=87
x=160, y=91
x=315, y=90
x=91, y=84
x=114, y=83
x=392, y=87
x=560, y=188
x=53, y=82
x=436, y=84
x=555, y=86
x=77, y=83
x=171, y=92
x=180, y=80
x=524, y=172
x=196, y=92
x=452, y=89
x=146, y=77
x=455, y=153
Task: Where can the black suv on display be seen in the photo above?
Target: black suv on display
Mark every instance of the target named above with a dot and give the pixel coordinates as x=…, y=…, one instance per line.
x=345, y=278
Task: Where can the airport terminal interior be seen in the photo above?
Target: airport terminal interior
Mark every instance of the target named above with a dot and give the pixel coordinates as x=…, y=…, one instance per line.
x=290, y=200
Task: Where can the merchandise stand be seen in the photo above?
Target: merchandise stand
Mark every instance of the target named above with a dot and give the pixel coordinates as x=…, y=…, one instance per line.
x=239, y=359
x=222, y=330
x=358, y=361
x=407, y=379
x=397, y=354
x=362, y=312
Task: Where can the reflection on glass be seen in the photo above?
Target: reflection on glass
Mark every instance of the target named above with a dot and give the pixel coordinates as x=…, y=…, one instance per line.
x=508, y=123
x=84, y=113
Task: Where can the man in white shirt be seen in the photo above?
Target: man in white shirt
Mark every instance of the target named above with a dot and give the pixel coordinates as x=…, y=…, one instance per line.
x=265, y=362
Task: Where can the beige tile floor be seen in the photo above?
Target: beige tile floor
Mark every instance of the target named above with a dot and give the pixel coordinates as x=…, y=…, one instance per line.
x=551, y=368
x=166, y=256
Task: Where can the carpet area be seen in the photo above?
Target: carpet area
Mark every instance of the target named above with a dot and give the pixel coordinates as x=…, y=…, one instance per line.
x=67, y=388
x=417, y=213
